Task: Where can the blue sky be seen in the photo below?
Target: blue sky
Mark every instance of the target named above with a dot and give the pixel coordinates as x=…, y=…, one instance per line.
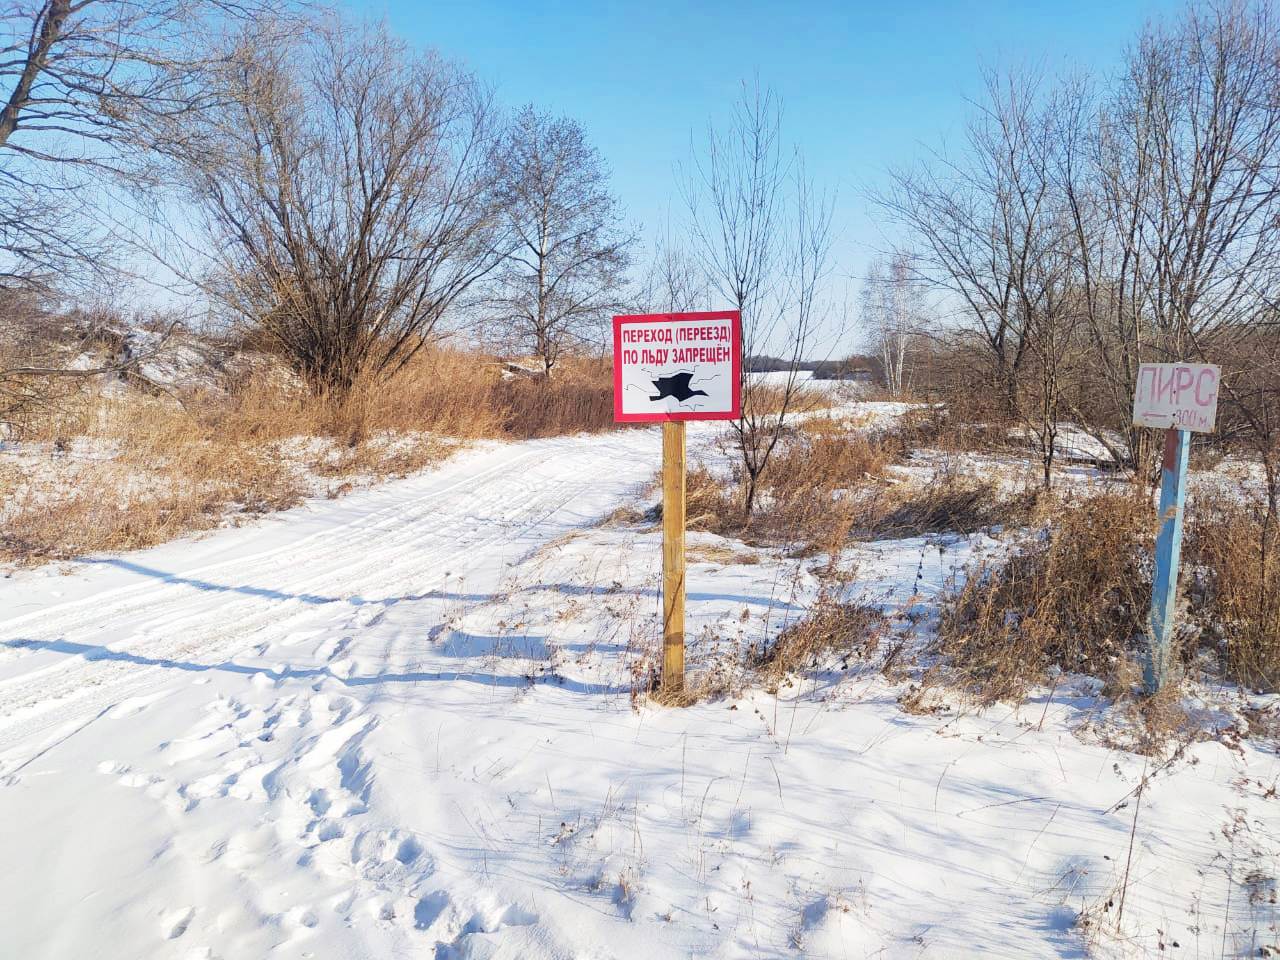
x=864, y=84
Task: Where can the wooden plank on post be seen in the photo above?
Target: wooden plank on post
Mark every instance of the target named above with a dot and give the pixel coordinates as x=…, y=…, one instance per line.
x=673, y=471
x=1164, y=587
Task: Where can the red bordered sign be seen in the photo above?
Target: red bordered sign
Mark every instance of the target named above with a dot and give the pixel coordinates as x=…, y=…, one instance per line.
x=677, y=366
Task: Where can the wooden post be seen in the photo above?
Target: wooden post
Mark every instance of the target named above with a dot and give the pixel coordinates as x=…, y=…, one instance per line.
x=1164, y=587
x=672, y=556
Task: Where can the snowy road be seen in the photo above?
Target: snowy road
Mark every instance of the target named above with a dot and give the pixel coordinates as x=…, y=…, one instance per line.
x=400, y=724
x=74, y=645
x=149, y=652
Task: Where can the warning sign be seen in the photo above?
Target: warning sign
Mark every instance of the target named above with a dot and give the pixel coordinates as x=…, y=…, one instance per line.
x=677, y=366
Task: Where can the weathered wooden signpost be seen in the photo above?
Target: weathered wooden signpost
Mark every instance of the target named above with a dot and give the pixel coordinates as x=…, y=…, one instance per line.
x=1182, y=398
x=669, y=368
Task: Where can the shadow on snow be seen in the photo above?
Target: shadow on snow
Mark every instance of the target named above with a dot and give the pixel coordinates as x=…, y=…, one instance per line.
x=91, y=652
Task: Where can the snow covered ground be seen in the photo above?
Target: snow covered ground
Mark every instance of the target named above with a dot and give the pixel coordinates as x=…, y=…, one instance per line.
x=844, y=389
x=405, y=724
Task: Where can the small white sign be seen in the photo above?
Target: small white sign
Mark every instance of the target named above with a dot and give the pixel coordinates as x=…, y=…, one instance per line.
x=677, y=366
x=1181, y=395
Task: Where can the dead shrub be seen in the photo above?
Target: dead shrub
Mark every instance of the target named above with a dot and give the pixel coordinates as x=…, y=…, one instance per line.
x=807, y=493
x=850, y=632
x=1077, y=593
x=925, y=426
x=447, y=392
x=569, y=404
x=811, y=491
x=711, y=503
x=954, y=428
x=1074, y=595
x=827, y=482
x=950, y=502
x=1231, y=553
x=463, y=394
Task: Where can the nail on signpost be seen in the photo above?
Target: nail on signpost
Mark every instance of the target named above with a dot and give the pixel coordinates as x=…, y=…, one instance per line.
x=669, y=368
x=1181, y=398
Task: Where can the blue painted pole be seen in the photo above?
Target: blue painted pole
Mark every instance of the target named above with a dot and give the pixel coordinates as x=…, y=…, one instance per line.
x=1164, y=588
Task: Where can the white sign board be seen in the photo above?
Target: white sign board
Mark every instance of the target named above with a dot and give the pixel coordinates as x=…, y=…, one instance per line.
x=677, y=366
x=1181, y=395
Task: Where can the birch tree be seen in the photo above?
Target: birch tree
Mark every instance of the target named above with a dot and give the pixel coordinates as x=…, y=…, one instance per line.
x=892, y=317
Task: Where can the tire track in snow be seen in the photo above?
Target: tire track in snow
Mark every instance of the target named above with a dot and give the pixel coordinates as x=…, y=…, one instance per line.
x=125, y=596
x=420, y=541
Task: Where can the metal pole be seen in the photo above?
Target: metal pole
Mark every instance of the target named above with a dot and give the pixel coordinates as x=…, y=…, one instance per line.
x=1164, y=588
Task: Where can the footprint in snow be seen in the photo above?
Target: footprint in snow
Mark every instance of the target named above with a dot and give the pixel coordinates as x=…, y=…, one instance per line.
x=300, y=636
x=175, y=923
x=368, y=614
x=327, y=830
x=215, y=851
x=302, y=918
x=332, y=649
x=429, y=909
x=319, y=802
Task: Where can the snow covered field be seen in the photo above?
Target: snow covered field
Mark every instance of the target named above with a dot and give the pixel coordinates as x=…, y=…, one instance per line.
x=404, y=724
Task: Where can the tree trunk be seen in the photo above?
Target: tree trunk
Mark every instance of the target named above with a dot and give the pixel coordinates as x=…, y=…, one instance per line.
x=37, y=58
x=749, y=497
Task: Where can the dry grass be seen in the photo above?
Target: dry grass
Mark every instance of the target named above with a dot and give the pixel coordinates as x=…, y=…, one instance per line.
x=763, y=398
x=849, y=632
x=948, y=503
x=118, y=507
x=951, y=430
x=805, y=497
x=811, y=476
x=832, y=636
x=1233, y=547
x=1075, y=596
x=827, y=483
x=1077, y=593
x=720, y=554
x=130, y=471
x=161, y=466
x=446, y=392
x=711, y=502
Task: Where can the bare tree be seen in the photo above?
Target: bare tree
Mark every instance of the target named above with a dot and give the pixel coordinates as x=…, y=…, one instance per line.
x=1175, y=200
x=76, y=78
x=990, y=227
x=563, y=273
x=674, y=281
x=1082, y=234
x=976, y=222
x=763, y=235
x=347, y=190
